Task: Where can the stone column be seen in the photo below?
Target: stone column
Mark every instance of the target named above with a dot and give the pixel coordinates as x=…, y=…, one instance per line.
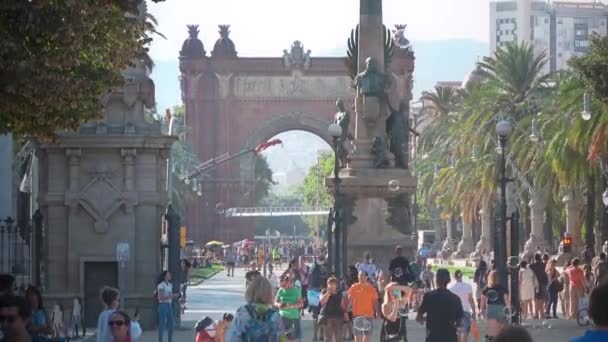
x=465, y=246
x=448, y=244
x=484, y=245
x=437, y=226
x=537, y=205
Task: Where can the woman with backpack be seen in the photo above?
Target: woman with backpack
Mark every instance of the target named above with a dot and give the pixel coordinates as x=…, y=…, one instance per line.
x=257, y=320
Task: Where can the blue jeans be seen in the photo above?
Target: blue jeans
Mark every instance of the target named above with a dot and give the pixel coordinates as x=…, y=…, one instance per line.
x=165, y=318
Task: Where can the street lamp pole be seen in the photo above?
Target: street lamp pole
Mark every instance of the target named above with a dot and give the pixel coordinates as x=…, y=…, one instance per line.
x=503, y=128
x=335, y=131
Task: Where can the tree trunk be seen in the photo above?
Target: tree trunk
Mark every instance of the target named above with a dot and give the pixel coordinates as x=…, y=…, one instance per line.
x=590, y=219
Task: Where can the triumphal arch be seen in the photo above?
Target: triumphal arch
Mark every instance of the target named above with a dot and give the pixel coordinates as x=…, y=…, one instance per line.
x=234, y=103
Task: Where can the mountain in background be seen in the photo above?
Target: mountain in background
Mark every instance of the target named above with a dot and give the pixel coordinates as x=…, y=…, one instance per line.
x=445, y=60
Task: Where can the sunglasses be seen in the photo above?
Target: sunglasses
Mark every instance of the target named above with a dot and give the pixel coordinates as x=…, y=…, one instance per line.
x=8, y=319
x=116, y=323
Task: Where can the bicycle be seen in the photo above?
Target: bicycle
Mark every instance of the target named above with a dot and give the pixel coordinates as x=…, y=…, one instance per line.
x=582, y=315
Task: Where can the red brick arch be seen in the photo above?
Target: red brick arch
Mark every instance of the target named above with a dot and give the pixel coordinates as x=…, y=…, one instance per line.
x=233, y=103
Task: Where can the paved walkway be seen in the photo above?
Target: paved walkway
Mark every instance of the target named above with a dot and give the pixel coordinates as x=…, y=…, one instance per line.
x=222, y=294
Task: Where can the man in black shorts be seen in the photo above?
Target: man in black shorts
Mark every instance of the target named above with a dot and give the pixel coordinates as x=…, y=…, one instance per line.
x=443, y=311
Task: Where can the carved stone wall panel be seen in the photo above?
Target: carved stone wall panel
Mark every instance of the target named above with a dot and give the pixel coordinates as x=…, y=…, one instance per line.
x=147, y=167
x=295, y=86
x=56, y=164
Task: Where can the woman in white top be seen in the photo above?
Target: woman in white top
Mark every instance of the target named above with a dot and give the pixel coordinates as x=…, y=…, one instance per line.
x=110, y=298
x=165, y=297
x=527, y=287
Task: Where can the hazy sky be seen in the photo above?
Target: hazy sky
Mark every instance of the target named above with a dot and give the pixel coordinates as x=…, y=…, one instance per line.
x=266, y=27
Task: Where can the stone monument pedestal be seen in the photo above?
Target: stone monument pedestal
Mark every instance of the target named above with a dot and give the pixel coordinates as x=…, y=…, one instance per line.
x=369, y=188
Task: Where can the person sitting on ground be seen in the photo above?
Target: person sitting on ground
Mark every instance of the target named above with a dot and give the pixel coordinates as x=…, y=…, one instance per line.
x=598, y=302
x=257, y=320
x=120, y=326
x=110, y=299
x=443, y=311
x=513, y=334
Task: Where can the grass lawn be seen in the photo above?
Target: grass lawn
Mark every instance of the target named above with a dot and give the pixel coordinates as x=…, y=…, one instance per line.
x=467, y=272
x=198, y=275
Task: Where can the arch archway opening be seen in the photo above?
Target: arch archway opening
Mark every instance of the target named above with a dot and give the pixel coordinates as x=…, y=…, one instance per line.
x=297, y=169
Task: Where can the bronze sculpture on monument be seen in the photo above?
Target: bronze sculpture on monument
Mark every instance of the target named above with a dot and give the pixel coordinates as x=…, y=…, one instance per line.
x=376, y=180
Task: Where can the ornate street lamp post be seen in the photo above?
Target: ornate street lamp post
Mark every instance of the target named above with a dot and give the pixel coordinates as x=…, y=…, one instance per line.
x=335, y=131
x=503, y=129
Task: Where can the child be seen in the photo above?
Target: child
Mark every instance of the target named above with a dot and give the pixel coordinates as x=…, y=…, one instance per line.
x=205, y=330
x=289, y=301
x=222, y=326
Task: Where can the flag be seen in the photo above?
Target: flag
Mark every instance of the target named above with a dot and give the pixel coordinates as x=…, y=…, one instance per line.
x=26, y=181
x=261, y=147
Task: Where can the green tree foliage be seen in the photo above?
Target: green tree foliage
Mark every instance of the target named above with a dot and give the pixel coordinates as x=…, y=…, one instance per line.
x=263, y=178
x=58, y=59
x=184, y=159
x=551, y=148
x=283, y=224
x=314, y=191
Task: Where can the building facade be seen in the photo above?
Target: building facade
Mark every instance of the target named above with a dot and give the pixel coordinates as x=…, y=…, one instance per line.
x=561, y=29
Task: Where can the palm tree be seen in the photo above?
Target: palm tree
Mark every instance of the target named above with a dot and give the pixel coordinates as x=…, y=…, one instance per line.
x=442, y=99
x=516, y=70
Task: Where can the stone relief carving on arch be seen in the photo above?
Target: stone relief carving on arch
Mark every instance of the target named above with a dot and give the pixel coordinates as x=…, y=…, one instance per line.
x=224, y=83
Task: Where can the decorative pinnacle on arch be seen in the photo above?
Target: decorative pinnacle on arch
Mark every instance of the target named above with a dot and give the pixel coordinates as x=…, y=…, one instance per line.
x=224, y=30
x=193, y=31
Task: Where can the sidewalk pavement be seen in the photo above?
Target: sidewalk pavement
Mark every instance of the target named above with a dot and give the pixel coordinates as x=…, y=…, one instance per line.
x=222, y=294
x=541, y=331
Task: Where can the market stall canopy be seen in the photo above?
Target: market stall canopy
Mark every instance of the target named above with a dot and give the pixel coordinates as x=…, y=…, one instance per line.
x=214, y=243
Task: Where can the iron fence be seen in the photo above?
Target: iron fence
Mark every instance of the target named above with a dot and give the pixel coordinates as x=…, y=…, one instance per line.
x=20, y=249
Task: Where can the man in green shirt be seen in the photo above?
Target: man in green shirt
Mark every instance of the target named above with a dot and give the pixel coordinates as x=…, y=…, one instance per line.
x=289, y=301
x=276, y=256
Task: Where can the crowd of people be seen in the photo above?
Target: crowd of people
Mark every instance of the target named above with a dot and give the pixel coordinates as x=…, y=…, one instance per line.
x=349, y=308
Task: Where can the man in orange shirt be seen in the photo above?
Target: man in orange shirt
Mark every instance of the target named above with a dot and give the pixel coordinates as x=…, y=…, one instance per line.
x=363, y=298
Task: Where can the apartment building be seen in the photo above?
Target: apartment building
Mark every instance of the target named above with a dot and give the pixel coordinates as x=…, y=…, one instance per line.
x=561, y=29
